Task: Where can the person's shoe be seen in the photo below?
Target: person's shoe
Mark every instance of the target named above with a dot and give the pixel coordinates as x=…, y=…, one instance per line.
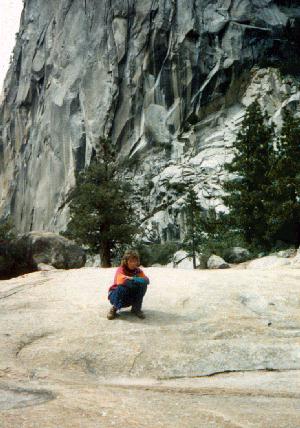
x=139, y=313
x=112, y=313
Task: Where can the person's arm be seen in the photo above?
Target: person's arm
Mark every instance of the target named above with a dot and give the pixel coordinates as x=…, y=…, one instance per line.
x=121, y=278
x=141, y=278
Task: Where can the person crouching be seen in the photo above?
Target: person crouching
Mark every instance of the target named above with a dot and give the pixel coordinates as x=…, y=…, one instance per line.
x=129, y=287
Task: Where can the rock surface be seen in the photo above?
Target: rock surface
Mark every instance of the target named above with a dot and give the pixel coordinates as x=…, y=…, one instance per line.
x=168, y=81
x=217, y=349
x=269, y=262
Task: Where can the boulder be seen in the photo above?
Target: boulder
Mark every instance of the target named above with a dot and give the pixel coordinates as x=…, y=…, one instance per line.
x=179, y=256
x=236, y=255
x=290, y=252
x=45, y=268
x=51, y=249
x=183, y=260
x=216, y=262
x=268, y=262
x=93, y=260
x=295, y=261
x=186, y=263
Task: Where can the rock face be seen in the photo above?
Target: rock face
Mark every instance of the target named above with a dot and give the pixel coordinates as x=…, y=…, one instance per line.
x=168, y=81
x=217, y=349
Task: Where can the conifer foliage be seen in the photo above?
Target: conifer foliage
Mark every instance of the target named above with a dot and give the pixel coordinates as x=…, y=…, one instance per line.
x=284, y=201
x=262, y=192
x=247, y=190
x=194, y=233
x=206, y=231
x=101, y=214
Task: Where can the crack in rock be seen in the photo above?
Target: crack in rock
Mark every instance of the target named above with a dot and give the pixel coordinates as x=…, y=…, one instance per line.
x=30, y=340
x=134, y=361
x=16, y=397
x=266, y=369
x=18, y=289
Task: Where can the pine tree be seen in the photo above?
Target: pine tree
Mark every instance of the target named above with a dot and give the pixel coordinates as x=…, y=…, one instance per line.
x=247, y=190
x=217, y=236
x=284, y=205
x=194, y=234
x=101, y=214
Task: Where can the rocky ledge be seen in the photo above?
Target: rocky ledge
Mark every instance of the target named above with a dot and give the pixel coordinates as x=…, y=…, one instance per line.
x=217, y=349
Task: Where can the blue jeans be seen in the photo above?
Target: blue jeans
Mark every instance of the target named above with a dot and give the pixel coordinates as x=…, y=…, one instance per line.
x=128, y=295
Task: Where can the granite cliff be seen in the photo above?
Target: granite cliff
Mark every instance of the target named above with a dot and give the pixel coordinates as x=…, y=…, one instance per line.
x=167, y=80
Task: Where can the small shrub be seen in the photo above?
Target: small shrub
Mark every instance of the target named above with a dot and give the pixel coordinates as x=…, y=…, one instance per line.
x=13, y=260
x=219, y=244
x=7, y=230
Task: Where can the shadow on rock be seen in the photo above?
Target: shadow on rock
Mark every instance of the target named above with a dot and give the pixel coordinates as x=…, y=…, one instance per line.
x=154, y=317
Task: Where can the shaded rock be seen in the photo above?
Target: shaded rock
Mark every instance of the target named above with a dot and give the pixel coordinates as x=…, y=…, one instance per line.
x=51, y=249
x=13, y=259
x=216, y=262
x=236, y=255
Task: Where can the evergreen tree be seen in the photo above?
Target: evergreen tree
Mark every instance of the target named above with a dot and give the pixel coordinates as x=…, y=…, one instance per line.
x=247, y=190
x=208, y=232
x=284, y=204
x=194, y=233
x=101, y=214
x=217, y=235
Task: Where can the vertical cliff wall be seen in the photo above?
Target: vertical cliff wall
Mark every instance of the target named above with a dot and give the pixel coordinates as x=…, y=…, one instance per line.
x=167, y=80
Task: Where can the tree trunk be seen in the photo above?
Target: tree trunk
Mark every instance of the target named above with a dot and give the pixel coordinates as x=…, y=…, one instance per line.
x=194, y=252
x=105, y=258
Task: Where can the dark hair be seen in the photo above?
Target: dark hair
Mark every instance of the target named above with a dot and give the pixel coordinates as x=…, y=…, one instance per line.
x=129, y=254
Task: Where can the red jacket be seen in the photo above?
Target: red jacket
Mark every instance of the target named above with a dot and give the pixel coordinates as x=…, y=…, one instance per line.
x=122, y=273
